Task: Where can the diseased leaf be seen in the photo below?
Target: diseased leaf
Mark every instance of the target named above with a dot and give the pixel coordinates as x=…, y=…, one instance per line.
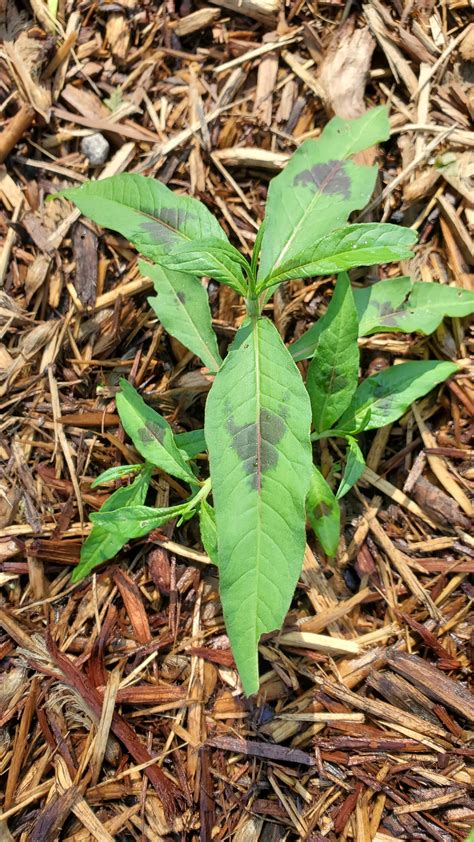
x=192, y=443
x=145, y=211
x=212, y=257
x=257, y=431
x=182, y=307
x=385, y=397
x=207, y=526
x=320, y=187
x=323, y=512
x=116, y=473
x=102, y=544
x=151, y=434
x=355, y=467
x=400, y=305
x=333, y=371
x=364, y=244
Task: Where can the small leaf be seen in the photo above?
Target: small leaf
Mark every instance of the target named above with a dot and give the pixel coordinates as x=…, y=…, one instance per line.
x=182, y=307
x=399, y=305
x=386, y=396
x=212, y=257
x=333, y=372
x=323, y=512
x=257, y=430
x=116, y=473
x=363, y=244
x=192, y=443
x=151, y=434
x=146, y=212
x=102, y=544
x=207, y=526
x=136, y=521
x=320, y=187
x=355, y=467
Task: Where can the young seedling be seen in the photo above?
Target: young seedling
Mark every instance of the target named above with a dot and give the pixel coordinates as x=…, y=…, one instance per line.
x=260, y=417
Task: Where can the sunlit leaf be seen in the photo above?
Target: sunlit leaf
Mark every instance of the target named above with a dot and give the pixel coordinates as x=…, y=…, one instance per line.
x=323, y=512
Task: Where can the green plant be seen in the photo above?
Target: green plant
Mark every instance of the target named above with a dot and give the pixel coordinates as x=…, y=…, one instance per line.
x=259, y=412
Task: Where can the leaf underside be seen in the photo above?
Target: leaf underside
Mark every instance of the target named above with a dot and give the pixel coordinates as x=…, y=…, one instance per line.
x=257, y=431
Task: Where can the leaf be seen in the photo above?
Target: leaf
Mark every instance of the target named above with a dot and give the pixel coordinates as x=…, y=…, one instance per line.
x=102, y=544
x=384, y=397
x=355, y=467
x=116, y=473
x=399, y=305
x=257, y=431
x=212, y=257
x=354, y=245
x=323, y=512
x=333, y=371
x=319, y=187
x=151, y=434
x=207, y=526
x=136, y=521
x=192, y=443
x=182, y=307
x=144, y=211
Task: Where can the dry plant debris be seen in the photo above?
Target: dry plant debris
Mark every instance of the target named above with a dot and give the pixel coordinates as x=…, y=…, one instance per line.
x=120, y=716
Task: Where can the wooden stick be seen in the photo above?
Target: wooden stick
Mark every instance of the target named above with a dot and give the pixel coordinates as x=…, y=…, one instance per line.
x=15, y=129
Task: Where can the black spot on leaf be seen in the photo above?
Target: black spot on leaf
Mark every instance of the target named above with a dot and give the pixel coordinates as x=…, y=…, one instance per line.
x=151, y=432
x=328, y=178
x=168, y=224
x=255, y=444
x=181, y=296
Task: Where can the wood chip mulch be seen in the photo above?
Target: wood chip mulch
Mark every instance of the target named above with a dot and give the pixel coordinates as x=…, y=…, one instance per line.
x=120, y=710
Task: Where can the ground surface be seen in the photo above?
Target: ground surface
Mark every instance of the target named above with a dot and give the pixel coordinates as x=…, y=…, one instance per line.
x=362, y=739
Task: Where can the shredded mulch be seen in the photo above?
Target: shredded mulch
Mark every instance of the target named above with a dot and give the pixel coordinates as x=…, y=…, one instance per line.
x=121, y=715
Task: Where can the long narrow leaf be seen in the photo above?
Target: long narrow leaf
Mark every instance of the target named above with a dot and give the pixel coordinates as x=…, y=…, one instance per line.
x=257, y=431
x=323, y=512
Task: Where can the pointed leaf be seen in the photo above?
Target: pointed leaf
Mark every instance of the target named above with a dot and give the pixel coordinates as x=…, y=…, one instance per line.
x=333, y=372
x=355, y=467
x=212, y=257
x=364, y=244
x=136, y=521
x=102, y=544
x=192, y=443
x=118, y=472
x=151, y=434
x=386, y=396
x=182, y=307
x=144, y=211
x=399, y=305
x=323, y=512
x=319, y=187
x=208, y=529
x=257, y=431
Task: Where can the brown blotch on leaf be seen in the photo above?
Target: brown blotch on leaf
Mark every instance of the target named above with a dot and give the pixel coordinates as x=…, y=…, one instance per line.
x=255, y=444
x=328, y=178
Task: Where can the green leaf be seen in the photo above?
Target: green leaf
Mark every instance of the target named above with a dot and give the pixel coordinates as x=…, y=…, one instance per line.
x=102, y=544
x=136, y=521
x=399, y=305
x=207, y=526
x=144, y=211
x=323, y=512
x=151, y=434
x=333, y=371
x=355, y=467
x=116, y=473
x=257, y=431
x=354, y=245
x=384, y=397
x=192, y=443
x=182, y=307
x=212, y=257
x=305, y=346
x=319, y=187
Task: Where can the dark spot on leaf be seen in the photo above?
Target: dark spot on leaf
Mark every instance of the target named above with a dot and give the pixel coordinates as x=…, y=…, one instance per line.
x=327, y=178
x=167, y=226
x=151, y=432
x=181, y=296
x=322, y=509
x=255, y=444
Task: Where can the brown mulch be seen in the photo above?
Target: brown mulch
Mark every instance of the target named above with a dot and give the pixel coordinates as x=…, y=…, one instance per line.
x=120, y=710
